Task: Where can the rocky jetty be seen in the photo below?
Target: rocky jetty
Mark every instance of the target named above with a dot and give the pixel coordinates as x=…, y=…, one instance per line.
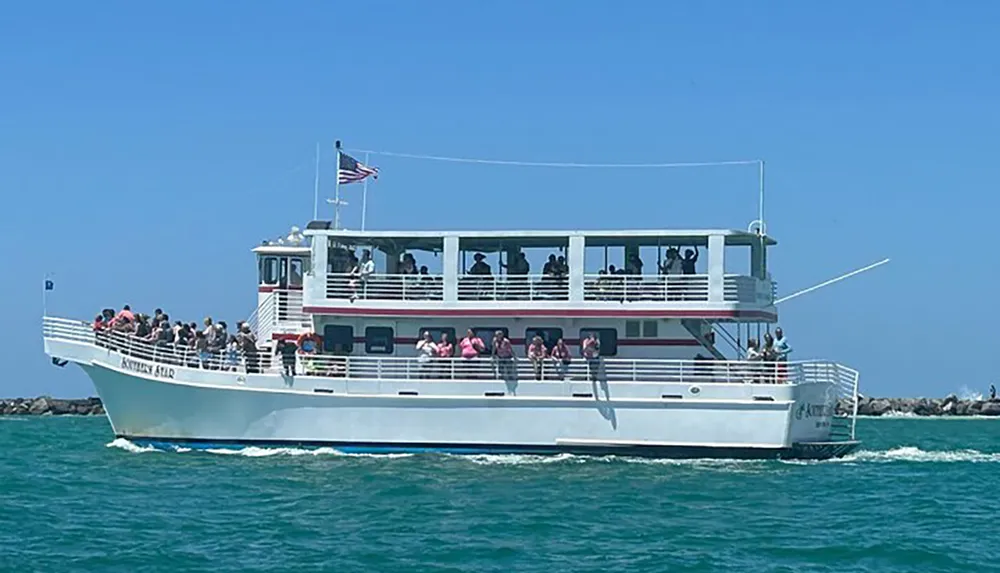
x=949, y=406
x=47, y=406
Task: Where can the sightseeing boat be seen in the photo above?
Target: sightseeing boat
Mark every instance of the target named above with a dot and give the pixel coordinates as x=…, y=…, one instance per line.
x=668, y=376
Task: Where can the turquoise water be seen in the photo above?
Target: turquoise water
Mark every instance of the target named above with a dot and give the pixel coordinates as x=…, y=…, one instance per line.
x=920, y=496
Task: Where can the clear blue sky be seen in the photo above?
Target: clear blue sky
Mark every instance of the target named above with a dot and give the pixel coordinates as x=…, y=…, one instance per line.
x=146, y=147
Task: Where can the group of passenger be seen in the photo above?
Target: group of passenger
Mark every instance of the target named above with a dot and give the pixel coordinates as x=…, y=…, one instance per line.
x=155, y=337
x=471, y=348
x=774, y=348
x=672, y=264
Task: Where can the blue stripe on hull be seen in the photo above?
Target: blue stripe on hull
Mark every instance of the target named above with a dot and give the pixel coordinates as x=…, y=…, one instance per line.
x=799, y=451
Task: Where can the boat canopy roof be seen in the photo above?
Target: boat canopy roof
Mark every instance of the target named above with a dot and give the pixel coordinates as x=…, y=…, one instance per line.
x=497, y=240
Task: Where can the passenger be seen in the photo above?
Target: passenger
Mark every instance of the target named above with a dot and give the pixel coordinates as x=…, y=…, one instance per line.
x=445, y=350
x=426, y=350
x=781, y=346
x=142, y=328
x=633, y=266
x=519, y=266
x=562, y=268
x=781, y=351
x=287, y=350
x=537, y=353
x=471, y=348
x=480, y=267
x=248, y=344
x=503, y=353
x=99, y=324
x=591, y=351
x=550, y=269
x=993, y=393
x=690, y=258
x=753, y=351
x=366, y=268
x=408, y=265
x=201, y=349
x=672, y=264
x=125, y=314
x=561, y=358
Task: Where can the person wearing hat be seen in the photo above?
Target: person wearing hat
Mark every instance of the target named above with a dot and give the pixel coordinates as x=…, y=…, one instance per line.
x=480, y=267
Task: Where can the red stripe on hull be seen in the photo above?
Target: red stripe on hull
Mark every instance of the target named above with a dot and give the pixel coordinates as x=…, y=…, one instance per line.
x=520, y=341
x=556, y=313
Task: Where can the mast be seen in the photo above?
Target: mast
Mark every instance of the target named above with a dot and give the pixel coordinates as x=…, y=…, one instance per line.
x=316, y=187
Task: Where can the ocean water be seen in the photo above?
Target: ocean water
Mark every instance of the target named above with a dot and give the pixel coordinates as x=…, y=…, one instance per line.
x=922, y=495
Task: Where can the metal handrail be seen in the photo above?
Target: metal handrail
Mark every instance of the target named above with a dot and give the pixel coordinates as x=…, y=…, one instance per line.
x=513, y=287
x=394, y=367
x=385, y=287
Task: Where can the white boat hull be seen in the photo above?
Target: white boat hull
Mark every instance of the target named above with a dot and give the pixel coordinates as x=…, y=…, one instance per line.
x=148, y=402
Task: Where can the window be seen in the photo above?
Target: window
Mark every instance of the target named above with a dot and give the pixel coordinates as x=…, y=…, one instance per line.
x=379, y=340
x=338, y=339
x=549, y=336
x=269, y=271
x=486, y=333
x=283, y=281
x=437, y=331
x=608, y=337
x=650, y=329
x=296, y=271
x=632, y=329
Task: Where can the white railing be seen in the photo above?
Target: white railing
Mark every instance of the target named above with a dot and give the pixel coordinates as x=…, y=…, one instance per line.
x=385, y=287
x=263, y=318
x=288, y=308
x=623, y=288
x=513, y=287
x=392, y=367
x=65, y=330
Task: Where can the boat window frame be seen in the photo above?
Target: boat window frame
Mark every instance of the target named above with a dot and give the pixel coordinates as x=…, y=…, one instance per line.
x=301, y=273
x=605, y=344
x=329, y=340
x=637, y=325
x=265, y=271
x=390, y=345
x=648, y=332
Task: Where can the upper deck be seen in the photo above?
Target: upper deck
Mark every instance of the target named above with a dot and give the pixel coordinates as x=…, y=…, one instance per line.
x=629, y=273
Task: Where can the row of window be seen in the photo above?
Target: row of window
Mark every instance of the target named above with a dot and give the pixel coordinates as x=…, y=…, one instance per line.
x=339, y=339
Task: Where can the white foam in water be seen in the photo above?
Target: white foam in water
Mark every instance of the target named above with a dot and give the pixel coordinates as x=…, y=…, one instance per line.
x=914, y=454
x=123, y=444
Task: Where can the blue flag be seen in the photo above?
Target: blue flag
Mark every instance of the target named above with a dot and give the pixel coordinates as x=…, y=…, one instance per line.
x=49, y=285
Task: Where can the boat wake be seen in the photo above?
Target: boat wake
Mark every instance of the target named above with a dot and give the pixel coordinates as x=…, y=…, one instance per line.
x=247, y=452
x=914, y=454
x=900, y=454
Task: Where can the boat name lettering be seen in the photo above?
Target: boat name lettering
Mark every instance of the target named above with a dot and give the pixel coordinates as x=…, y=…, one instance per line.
x=146, y=368
x=813, y=411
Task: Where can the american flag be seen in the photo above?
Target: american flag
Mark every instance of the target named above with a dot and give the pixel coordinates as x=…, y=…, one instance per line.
x=351, y=170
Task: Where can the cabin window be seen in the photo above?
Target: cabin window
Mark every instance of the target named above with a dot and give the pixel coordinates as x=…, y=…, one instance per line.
x=283, y=280
x=650, y=329
x=338, y=339
x=437, y=331
x=608, y=337
x=486, y=333
x=295, y=272
x=269, y=271
x=379, y=340
x=632, y=329
x=549, y=336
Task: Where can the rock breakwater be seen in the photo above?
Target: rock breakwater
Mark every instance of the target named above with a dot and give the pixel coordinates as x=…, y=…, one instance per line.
x=949, y=406
x=47, y=406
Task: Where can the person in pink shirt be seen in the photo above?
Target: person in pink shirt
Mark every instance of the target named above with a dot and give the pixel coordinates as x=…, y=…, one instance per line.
x=591, y=351
x=471, y=347
x=445, y=349
x=560, y=355
x=503, y=353
x=537, y=353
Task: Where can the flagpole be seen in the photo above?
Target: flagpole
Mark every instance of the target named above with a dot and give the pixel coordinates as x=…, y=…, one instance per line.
x=364, y=197
x=316, y=187
x=336, y=191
